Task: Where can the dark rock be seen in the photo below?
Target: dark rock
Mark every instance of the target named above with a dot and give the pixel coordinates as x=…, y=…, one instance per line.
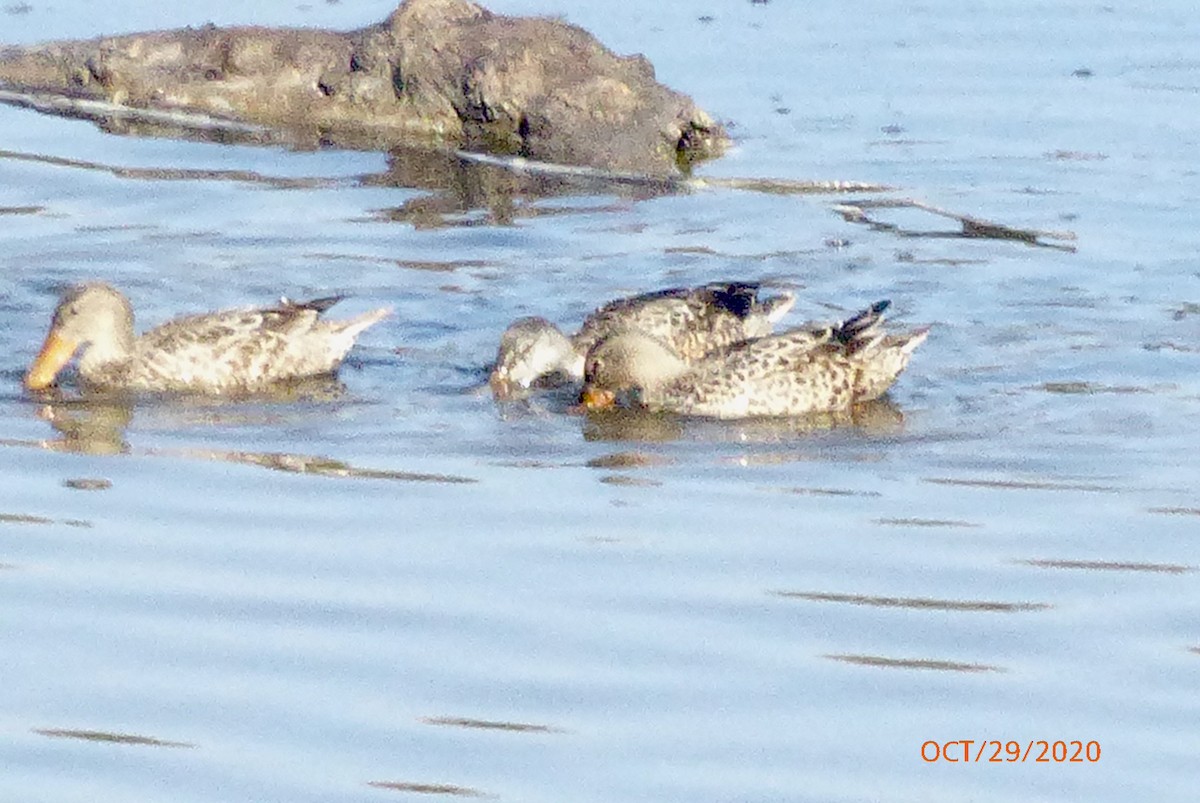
x=435, y=71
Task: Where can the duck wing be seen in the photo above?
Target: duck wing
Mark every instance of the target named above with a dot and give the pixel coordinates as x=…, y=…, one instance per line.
x=694, y=321
x=801, y=371
x=242, y=348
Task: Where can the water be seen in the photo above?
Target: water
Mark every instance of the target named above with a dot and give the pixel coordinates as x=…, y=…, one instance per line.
x=393, y=589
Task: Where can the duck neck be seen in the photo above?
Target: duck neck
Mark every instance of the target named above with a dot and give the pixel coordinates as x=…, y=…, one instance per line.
x=572, y=364
x=667, y=367
x=108, y=354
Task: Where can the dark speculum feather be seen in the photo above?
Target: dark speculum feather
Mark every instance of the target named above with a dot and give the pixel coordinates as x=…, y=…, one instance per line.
x=740, y=298
x=670, y=292
x=851, y=329
x=317, y=304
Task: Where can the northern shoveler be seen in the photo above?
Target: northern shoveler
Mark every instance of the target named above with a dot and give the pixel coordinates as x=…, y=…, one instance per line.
x=220, y=352
x=693, y=321
x=806, y=370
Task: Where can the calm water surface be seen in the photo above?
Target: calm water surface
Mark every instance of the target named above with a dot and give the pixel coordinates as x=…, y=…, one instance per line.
x=392, y=589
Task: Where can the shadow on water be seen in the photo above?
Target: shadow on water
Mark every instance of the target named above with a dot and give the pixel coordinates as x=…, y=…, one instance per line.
x=489, y=724
x=323, y=466
x=451, y=790
x=970, y=227
x=927, y=664
x=109, y=737
x=915, y=603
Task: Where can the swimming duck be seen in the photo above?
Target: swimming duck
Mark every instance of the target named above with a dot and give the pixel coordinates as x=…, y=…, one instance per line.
x=693, y=321
x=802, y=371
x=230, y=351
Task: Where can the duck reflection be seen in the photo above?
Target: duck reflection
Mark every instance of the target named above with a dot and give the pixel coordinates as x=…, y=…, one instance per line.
x=879, y=417
x=462, y=189
x=95, y=422
x=470, y=190
x=88, y=425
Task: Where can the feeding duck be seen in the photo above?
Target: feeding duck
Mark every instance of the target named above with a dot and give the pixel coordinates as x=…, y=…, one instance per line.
x=692, y=321
x=802, y=371
x=237, y=350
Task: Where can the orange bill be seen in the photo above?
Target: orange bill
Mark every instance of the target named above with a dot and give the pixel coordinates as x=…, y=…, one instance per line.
x=598, y=399
x=500, y=384
x=56, y=352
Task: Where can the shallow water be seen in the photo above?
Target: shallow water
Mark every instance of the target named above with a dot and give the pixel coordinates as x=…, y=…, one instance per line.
x=392, y=588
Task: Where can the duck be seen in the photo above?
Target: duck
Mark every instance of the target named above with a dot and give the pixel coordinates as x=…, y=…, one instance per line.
x=693, y=321
x=813, y=369
x=231, y=351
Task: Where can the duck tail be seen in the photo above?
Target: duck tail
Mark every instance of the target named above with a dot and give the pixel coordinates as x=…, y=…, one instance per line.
x=740, y=298
x=907, y=343
x=353, y=327
x=317, y=305
x=778, y=306
x=862, y=331
x=879, y=367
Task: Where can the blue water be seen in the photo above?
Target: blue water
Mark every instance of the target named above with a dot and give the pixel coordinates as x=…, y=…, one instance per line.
x=398, y=590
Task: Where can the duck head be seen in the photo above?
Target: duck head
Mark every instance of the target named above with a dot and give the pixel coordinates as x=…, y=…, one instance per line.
x=532, y=351
x=94, y=317
x=627, y=366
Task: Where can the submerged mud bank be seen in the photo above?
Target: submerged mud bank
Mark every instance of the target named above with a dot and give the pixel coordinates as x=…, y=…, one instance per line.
x=444, y=72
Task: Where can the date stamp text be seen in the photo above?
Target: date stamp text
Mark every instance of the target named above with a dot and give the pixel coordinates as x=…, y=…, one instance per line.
x=995, y=751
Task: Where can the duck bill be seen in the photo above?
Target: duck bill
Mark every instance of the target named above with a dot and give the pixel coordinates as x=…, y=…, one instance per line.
x=55, y=353
x=503, y=388
x=598, y=399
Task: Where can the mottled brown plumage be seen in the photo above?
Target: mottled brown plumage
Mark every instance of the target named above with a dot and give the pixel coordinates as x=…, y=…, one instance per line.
x=221, y=352
x=693, y=321
x=808, y=370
